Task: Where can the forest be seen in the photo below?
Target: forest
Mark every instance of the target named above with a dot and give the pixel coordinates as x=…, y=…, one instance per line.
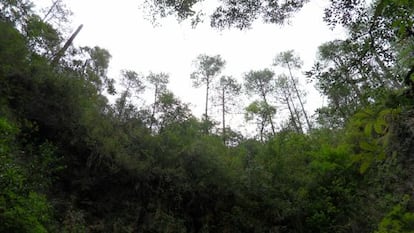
x=72, y=161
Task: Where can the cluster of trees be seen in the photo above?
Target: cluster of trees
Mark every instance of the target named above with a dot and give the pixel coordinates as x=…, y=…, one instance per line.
x=270, y=95
x=72, y=162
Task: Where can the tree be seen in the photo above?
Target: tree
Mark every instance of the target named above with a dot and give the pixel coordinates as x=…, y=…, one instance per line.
x=288, y=60
x=353, y=74
x=13, y=52
x=359, y=71
x=133, y=86
x=159, y=83
x=261, y=83
x=172, y=110
x=95, y=68
x=57, y=13
x=284, y=92
x=61, y=52
x=207, y=68
x=16, y=12
x=392, y=33
x=228, y=89
x=41, y=35
x=335, y=79
x=263, y=113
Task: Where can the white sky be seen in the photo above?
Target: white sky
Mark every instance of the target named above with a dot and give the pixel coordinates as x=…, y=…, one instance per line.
x=120, y=27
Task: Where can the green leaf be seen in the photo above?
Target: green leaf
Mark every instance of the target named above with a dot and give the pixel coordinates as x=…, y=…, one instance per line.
x=381, y=155
x=367, y=146
x=364, y=166
x=368, y=129
x=380, y=127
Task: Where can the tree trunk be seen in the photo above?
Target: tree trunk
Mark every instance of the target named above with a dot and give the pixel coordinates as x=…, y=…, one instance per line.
x=299, y=98
x=262, y=130
x=292, y=115
x=154, y=107
x=295, y=110
x=223, y=114
x=263, y=94
x=206, y=110
x=62, y=51
x=268, y=115
x=50, y=10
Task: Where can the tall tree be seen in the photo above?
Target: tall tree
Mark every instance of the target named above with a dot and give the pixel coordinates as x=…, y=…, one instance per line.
x=339, y=78
x=95, y=68
x=288, y=60
x=262, y=83
x=57, y=13
x=133, y=84
x=159, y=83
x=228, y=89
x=207, y=68
x=374, y=59
x=61, y=52
x=284, y=92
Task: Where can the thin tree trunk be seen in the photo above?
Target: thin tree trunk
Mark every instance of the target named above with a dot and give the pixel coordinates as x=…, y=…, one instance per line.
x=272, y=125
x=292, y=115
x=223, y=115
x=263, y=94
x=154, y=107
x=295, y=110
x=62, y=51
x=268, y=115
x=261, y=130
x=50, y=10
x=299, y=98
x=123, y=100
x=270, y=120
x=207, y=90
x=206, y=110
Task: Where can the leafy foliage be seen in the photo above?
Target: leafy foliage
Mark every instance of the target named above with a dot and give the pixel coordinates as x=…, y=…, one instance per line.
x=230, y=13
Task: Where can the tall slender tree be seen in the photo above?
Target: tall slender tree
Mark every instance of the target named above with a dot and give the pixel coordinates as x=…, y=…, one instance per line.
x=283, y=90
x=207, y=68
x=95, y=68
x=262, y=83
x=228, y=89
x=159, y=83
x=288, y=60
x=133, y=84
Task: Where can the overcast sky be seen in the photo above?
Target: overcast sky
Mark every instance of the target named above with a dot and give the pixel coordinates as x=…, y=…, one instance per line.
x=135, y=44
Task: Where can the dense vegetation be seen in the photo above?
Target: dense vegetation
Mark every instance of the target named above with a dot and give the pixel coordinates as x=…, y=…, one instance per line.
x=70, y=161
